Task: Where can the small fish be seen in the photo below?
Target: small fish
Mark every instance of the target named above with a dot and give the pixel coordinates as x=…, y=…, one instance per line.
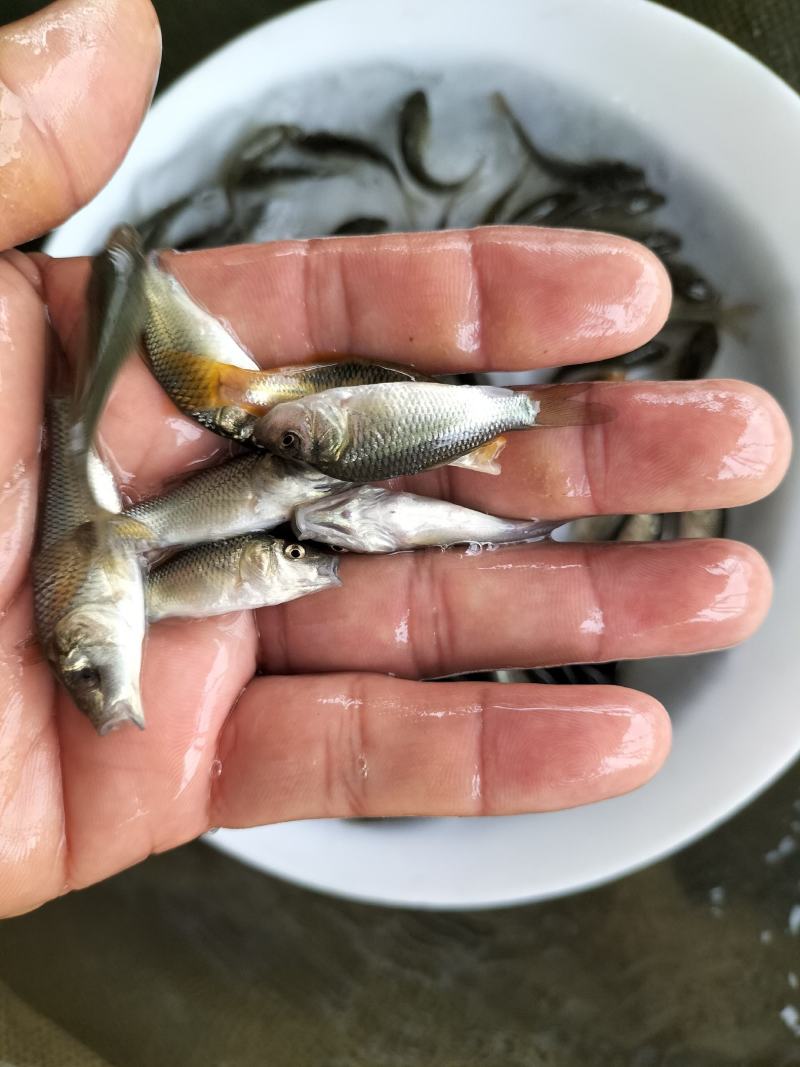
x=600, y=175
x=190, y=352
x=360, y=226
x=194, y=221
x=414, y=131
x=253, y=492
x=372, y=432
x=709, y=523
x=212, y=379
x=116, y=311
x=242, y=573
x=369, y=519
x=640, y=528
x=88, y=585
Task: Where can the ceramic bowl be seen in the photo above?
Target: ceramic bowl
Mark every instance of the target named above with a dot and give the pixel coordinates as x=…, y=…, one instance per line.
x=720, y=135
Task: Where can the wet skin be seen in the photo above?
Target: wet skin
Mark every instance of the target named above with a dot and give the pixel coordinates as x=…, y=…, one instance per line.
x=224, y=746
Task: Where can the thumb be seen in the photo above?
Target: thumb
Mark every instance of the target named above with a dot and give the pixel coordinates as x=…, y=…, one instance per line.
x=75, y=82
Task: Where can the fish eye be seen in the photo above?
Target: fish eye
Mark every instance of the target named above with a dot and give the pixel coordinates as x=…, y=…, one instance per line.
x=289, y=441
x=294, y=552
x=86, y=676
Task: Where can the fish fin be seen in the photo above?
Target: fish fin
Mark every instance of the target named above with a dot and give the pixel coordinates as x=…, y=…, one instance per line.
x=484, y=459
x=566, y=405
x=541, y=529
x=116, y=314
x=131, y=530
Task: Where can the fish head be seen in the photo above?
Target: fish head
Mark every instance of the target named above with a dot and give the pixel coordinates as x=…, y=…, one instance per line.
x=98, y=657
x=352, y=520
x=303, y=569
x=312, y=430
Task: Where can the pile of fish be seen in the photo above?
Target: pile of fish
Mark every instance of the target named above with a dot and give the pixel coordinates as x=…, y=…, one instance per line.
x=311, y=438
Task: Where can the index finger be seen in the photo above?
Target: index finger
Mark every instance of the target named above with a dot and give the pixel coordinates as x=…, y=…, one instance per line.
x=494, y=298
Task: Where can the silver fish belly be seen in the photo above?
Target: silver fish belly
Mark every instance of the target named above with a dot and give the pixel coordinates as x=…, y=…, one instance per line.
x=370, y=519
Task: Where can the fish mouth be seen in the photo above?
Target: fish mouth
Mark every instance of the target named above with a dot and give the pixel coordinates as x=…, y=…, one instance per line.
x=329, y=568
x=118, y=714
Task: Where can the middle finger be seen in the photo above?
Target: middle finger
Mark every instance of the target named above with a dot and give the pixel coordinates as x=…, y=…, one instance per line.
x=425, y=615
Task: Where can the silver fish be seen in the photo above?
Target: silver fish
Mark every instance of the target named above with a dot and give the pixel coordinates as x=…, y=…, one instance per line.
x=372, y=432
x=250, y=493
x=88, y=585
x=369, y=519
x=253, y=571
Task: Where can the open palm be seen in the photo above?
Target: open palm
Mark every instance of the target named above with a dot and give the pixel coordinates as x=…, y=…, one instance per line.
x=315, y=708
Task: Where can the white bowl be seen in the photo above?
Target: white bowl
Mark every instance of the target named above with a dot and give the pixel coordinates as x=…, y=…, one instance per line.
x=721, y=135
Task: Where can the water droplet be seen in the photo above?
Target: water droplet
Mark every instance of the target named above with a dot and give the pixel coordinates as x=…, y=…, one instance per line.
x=473, y=549
x=212, y=830
x=363, y=769
x=718, y=898
x=216, y=768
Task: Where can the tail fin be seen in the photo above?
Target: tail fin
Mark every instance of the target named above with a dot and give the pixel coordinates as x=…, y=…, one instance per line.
x=115, y=315
x=567, y=405
x=115, y=311
x=540, y=529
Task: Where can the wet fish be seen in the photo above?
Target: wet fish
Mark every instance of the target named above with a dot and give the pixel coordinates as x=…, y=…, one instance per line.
x=599, y=175
x=211, y=378
x=370, y=519
x=372, y=432
x=88, y=585
x=414, y=132
x=250, y=493
x=116, y=311
x=248, y=572
x=193, y=356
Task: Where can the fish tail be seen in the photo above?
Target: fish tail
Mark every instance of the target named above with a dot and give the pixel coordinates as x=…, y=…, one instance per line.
x=568, y=405
x=484, y=459
x=538, y=529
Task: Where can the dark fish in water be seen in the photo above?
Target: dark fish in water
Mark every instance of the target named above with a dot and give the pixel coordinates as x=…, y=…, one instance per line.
x=194, y=221
x=701, y=523
x=360, y=227
x=600, y=175
x=369, y=519
x=640, y=528
x=243, y=573
x=250, y=493
x=372, y=432
x=88, y=584
x=325, y=144
x=414, y=132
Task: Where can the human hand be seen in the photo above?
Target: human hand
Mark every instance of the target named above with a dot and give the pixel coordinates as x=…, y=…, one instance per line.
x=339, y=725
